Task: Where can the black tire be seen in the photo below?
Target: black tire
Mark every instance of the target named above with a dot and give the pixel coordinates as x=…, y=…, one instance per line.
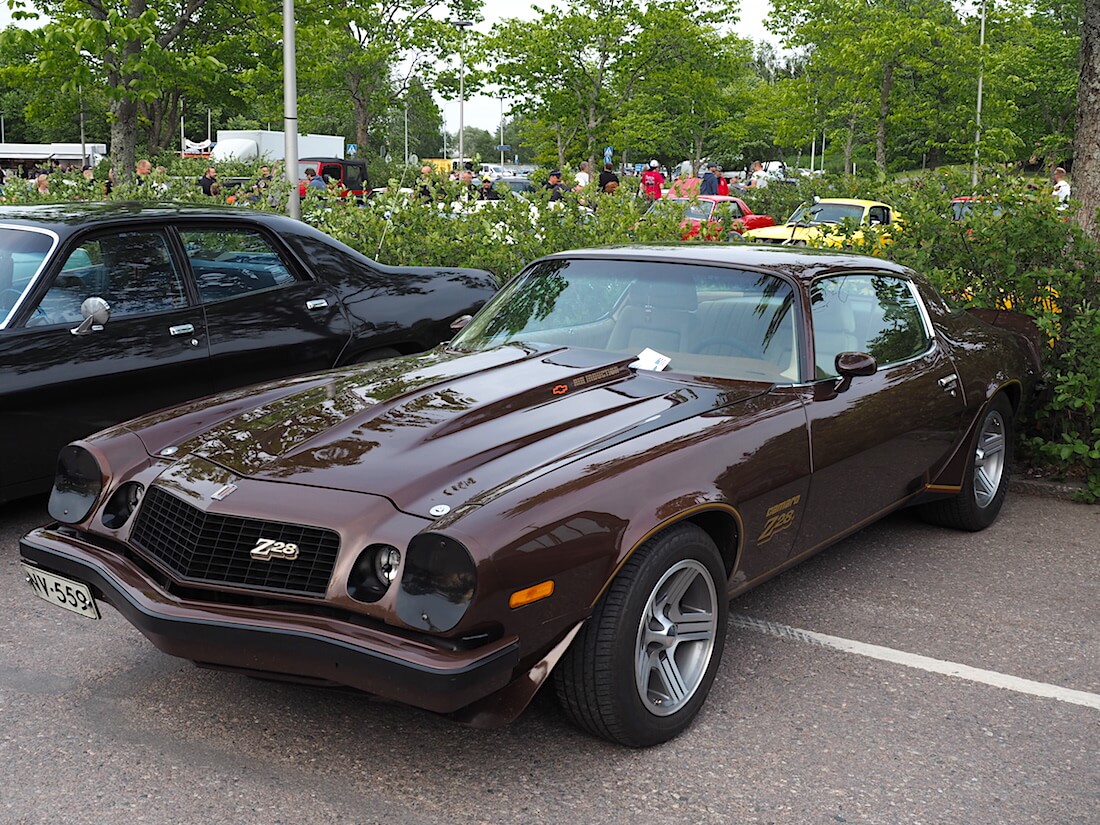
x=602, y=677
x=380, y=354
x=986, y=481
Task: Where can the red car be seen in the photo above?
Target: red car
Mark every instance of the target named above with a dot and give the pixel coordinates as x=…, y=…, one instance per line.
x=724, y=215
x=350, y=174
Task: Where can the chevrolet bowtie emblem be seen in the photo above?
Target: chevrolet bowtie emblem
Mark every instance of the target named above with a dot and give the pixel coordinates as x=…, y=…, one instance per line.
x=224, y=492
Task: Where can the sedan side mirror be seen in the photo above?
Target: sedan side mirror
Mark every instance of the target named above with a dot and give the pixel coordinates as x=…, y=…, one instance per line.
x=850, y=365
x=96, y=312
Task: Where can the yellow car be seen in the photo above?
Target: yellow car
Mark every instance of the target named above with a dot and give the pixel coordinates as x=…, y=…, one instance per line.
x=810, y=224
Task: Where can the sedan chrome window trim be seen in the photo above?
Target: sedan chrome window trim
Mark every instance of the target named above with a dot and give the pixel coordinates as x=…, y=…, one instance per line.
x=56, y=240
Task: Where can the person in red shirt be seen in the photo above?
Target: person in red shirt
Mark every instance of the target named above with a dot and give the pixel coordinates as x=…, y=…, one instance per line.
x=652, y=181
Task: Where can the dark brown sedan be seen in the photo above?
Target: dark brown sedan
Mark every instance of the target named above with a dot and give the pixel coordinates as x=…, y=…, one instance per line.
x=618, y=444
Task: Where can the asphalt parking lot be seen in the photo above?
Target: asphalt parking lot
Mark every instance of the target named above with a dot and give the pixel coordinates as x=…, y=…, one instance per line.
x=910, y=674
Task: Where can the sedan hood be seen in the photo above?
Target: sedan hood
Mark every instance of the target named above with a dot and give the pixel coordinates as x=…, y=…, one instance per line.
x=443, y=429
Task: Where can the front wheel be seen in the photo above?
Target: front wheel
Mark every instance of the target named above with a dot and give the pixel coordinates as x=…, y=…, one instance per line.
x=641, y=668
x=986, y=482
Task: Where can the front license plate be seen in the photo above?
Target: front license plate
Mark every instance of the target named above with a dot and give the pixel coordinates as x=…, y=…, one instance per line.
x=71, y=595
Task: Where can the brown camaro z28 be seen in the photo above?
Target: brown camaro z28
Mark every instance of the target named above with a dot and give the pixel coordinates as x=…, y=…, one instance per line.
x=617, y=444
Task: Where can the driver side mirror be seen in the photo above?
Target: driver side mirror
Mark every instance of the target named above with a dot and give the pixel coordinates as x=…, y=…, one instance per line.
x=851, y=365
x=96, y=312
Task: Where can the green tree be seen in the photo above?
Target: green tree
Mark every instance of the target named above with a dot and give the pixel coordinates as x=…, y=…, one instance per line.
x=130, y=50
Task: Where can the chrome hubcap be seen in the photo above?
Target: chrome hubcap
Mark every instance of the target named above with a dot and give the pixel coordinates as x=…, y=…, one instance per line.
x=676, y=637
x=989, y=459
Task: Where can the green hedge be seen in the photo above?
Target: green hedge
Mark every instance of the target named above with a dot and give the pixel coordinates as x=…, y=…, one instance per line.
x=1016, y=249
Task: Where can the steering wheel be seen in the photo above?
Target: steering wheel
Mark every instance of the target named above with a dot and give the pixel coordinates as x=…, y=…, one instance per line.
x=724, y=340
x=38, y=311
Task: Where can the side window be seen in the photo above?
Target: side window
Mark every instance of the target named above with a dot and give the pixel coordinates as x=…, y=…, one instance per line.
x=228, y=263
x=133, y=271
x=876, y=314
x=354, y=178
x=331, y=173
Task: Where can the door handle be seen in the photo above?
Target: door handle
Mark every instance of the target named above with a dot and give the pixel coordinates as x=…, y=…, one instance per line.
x=316, y=303
x=949, y=383
x=182, y=329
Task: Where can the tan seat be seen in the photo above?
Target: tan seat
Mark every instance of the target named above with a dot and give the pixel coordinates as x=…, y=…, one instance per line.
x=658, y=314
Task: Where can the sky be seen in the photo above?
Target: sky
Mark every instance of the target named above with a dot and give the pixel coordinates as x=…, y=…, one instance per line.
x=484, y=112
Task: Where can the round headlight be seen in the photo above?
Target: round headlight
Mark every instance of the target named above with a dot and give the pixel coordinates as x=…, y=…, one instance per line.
x=438, y=582
x=122, y=504
x=386, y=562
x=76, y=486
x=373, y=572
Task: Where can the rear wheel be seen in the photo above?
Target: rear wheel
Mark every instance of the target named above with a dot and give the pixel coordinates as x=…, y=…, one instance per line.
x=641, y=667
x=986, y=482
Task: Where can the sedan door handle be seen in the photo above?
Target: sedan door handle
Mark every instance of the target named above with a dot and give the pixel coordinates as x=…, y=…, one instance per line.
x=949, y=383
x=182, y=329
x=316, y=303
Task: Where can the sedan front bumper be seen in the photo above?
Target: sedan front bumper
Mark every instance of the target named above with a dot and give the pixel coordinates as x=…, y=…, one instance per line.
x=278, y=642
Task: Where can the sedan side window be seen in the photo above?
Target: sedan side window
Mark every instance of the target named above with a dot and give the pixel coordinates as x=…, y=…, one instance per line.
x=228, y=263
x=877, y=314
x=133, y=271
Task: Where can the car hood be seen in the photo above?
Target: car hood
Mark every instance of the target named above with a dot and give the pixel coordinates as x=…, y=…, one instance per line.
x=787, y=232
x=444, y=429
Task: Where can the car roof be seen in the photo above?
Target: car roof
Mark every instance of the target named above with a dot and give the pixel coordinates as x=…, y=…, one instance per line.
x=795, y=262
x=65, y=219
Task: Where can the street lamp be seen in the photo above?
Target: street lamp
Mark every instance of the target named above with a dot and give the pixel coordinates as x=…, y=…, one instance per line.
x=461, y=25
x=502, y=133
x=978, y=113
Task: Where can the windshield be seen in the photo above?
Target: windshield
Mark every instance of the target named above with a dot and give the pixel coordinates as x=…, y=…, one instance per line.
x=693, y=210
x=707, y=321
x=22, y=253
x=824, y=212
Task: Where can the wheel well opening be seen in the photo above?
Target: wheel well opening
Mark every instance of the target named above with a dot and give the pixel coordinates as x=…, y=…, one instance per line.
x=1013, y=393
x=723, y=530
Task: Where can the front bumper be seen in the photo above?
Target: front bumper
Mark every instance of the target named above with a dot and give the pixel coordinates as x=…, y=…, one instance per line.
x=278, y=642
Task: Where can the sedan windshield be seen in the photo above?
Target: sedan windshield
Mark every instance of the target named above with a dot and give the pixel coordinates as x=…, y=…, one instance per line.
x=701, y=320
x=22, y=253
x=822, y=212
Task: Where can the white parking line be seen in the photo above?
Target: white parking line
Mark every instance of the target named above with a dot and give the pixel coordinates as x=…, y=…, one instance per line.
x=886, y=654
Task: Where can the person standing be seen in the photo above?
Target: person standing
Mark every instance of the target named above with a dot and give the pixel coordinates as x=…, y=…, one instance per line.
x=554, y=184
x=144, y=169
x=652, y=181
x=608, y=176
x=208, y=181
x=709, y=185
x=1061, y=185
x=759, y=178
x=487, y=192
x=582, y=177
x=723, y=183
x=316, y=179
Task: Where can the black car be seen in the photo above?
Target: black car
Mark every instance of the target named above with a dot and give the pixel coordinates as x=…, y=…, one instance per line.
x=108, y=311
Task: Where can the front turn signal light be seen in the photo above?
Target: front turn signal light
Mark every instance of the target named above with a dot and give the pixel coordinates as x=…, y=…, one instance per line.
x=534, y=593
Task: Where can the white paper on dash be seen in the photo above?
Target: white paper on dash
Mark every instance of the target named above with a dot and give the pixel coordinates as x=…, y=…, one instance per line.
x=650, y=359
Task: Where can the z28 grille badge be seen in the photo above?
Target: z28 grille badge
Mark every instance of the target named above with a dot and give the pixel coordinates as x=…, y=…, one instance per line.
x=266, y=548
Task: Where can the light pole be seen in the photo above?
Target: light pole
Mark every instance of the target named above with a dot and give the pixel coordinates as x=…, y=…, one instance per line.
x=290, y=111
x=406, y=133
x=502, y=133
x=978, y=115
x=462, y=25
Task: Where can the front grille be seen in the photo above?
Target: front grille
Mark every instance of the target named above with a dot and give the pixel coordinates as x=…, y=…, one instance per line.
x=206, y=547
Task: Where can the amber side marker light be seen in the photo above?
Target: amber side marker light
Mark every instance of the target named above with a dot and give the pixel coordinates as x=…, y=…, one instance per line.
x=531, y=594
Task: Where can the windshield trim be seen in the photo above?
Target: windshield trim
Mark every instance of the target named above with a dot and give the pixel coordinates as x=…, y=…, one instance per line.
x=55, y=240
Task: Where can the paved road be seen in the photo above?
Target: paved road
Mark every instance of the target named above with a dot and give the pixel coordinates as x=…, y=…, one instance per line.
x=98, y=727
